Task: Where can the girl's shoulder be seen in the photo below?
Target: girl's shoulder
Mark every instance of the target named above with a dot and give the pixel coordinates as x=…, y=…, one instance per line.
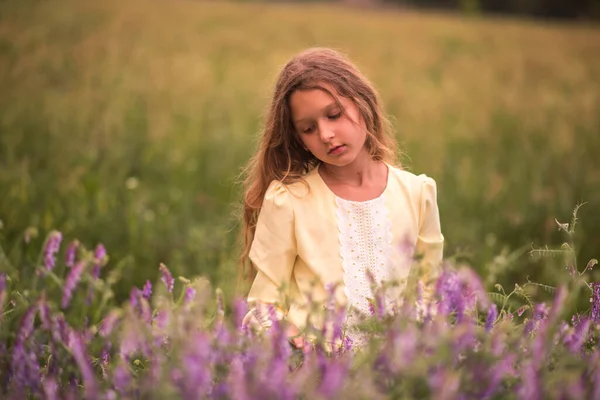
x=410, y=181
x=299, y=188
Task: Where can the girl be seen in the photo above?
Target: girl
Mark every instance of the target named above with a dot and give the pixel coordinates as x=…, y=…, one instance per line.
x=324, y=202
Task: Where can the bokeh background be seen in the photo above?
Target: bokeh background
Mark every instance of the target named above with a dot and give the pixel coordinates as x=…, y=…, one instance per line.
x=127, y=123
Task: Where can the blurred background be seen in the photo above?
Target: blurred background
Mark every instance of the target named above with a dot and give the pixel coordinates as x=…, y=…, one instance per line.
x=127, y=123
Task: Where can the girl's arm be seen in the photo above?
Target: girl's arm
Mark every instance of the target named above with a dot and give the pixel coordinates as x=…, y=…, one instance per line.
x=430, y=242
x=273, y=253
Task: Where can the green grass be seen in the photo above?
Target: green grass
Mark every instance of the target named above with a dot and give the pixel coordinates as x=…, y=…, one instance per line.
x=127, y=123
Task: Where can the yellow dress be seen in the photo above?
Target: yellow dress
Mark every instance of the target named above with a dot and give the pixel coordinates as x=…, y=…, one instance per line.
x=308, y=240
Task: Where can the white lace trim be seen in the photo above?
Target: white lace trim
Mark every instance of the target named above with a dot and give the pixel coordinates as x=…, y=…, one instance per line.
x=365, y=245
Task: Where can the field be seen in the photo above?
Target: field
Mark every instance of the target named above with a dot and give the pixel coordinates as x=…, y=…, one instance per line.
x=127, y=124
x=123, y=130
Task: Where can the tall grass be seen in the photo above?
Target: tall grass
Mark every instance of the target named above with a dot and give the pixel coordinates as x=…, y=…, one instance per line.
x=127, y=123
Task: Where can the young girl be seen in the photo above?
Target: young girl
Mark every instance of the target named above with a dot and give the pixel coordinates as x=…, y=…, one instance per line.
x=324, y=202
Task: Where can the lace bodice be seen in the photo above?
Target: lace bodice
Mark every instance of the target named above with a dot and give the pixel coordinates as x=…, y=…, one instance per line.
x=365, y=246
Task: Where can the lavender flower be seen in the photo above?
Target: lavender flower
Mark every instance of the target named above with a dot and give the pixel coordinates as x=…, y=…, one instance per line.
x=501, y=369
x=3, y=294
x=491, y=317
x=121, y=378
x=575, y=340
x=44, y=312
x=147, y=291
x=99, y=259
x=109, y=322
x=190, y=295
x=50, y=389
x=52, y=247
x=71, y=253
x=530, y=388
x=71, y=283
x=450, y=294
x=240, y=308
x=78, y=348
x=595, y=300
x=195, y=379
x=167, y=278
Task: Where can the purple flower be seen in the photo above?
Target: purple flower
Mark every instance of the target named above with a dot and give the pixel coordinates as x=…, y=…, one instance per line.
x=71, y=253
x=109, y=323
x=167, y=278
x=595, y=381
x=3, y=294
x=60, y=329
x=195, y=379
x=334, y=374
x=240, y=308
x=71, y=283
x=540, y=314
x=121, y=378
x=491, y=317
x=147, y=291
x=501, y=369
x=595, y=300
x=99, y=259
x=451, y=296
x=530, y=388
x=140, y=305
x=44, y=312
x=24, y=369
x=190, y=294
x=575, y=341
x=50, y=388
x=78, y=348
x=444, y=385
x=52, y=247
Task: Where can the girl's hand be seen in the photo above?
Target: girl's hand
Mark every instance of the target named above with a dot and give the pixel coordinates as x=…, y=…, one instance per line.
x=293, y=334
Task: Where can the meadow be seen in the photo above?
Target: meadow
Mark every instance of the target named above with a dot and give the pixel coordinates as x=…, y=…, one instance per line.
x=127, y=124
x=123, y=130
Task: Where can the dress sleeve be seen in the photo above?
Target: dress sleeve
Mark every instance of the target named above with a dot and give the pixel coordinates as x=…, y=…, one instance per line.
x=430, y=242
x=273, y=254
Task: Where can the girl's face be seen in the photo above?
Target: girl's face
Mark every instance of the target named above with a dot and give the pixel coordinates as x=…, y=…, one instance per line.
x=334, y=137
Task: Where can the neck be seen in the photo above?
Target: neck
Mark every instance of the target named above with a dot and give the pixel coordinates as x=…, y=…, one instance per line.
x=358, y=173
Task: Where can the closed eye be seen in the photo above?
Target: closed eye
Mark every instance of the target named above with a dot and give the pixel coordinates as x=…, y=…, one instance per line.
x=309, y=129
x=334, y=116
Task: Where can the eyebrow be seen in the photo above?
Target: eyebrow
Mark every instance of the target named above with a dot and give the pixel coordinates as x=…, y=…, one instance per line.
x=326, y=108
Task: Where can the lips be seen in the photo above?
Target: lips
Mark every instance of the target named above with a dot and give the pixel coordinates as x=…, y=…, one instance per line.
x=336, y=149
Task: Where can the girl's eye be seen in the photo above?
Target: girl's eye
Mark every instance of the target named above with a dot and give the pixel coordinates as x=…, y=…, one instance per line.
x=335, y=116
x=309, y=129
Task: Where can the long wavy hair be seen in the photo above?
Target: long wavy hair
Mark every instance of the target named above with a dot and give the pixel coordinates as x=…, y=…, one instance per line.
x=281, y=156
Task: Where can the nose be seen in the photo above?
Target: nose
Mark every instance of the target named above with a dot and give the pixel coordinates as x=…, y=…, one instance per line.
x=326, y=132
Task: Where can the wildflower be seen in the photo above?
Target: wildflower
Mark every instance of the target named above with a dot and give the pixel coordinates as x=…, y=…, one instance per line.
x=109, y=322
x=71, y=253
x=190, y=295
x=52, y=247
x=99, y=259
x=240, y=308
x=121, y=378
x=530, y=388
x=3, y=294
x=44, y=312
x=167, y=278
x=50, y=388
x=503, y=368
x=78, y=348
x=595, y=300
x=71, y=283
x=334, y=374
x=491, y=317
x=577, y=338
x=147, y=291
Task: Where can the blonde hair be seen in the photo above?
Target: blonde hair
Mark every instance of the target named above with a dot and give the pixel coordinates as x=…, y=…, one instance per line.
x=280, y=155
